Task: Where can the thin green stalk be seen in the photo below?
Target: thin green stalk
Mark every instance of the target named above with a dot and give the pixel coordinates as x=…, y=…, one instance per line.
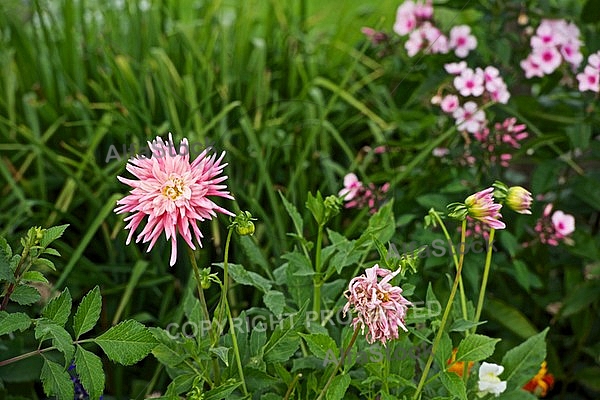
x=486, y=274
x=205, y=314
x=225, y=288
x=26, y=355
x=236, y=349
x=292, y=385
x=318, y=279
x=440, y=332
x=339, y=364
x=457, y=262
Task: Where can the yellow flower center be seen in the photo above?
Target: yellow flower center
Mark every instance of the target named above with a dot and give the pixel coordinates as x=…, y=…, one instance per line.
x=173, y=188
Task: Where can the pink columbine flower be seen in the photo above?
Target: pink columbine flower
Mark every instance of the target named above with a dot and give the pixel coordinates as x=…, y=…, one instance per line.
x=469, y=83
x=172, y=193
x=481, y=206
x=378, y=305
x=462, y=41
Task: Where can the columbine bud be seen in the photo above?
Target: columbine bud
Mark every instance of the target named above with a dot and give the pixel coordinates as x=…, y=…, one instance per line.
x=243, y=223
x=519, y=200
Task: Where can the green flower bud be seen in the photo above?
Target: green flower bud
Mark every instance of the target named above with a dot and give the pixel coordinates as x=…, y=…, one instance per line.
x=519, y=200
x=243, y=223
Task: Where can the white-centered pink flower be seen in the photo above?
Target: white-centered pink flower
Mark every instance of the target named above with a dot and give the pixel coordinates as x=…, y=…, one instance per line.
x=548, y=58
x=531, y=67
x=462, y=41
x=469, y=83
x=379, y=306
x=406, y=20
x=172, y=194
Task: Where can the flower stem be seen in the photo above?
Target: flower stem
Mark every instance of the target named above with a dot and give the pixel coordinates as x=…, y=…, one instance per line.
x=318, y=279
x=225, y=288
x=339, y=364
x=440, y=331
x=205, y=314
x=236, y=349
x=457, y=262
x=292, y=386
x=486, y=274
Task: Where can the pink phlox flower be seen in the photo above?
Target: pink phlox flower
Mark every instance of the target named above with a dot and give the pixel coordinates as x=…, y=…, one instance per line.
x=352, y=187
x=469, y=83
x=172, y=193
x=548, y=58
x=437, y=42
x=455, y=68
x=415, y=43
x=449, y=103
x=379, y=306
x=564, y=224
x=589, y=79
x=406, y=20
x=531, y=67
x=462, y=41
x=469, y=118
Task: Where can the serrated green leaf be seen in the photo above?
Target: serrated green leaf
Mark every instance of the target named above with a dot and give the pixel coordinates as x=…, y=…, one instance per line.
x=284, y=340
x=44, y=263
x=56, y=381
x=338, y=387
x=258, y=338
x=91, y=375
x=6, y=273
x=222, y=392
x=316, y=207
x=10, y=322
x=59, y=308
x=52, y=233
x=454, y=384
x=88, y=312
x=321, y=345
x=49, y=329
x=25, y=294
x=240, y=275
x=126, y=343
x=33, y=276
x=476, y=348
x=294, y=215
x=51, y=251
x=167, y=356
x=254, y=253
x=222, y=353
x=180, y=384
x=523, y=362
x=275, y=301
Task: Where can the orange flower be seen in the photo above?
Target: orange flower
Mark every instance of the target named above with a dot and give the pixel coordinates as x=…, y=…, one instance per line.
x=458, y=367
x=541, y=382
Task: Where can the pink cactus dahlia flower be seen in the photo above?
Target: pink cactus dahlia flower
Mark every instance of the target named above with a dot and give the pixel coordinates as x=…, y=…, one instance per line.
x=481, y=207
x=378, y=305
x=172, y=193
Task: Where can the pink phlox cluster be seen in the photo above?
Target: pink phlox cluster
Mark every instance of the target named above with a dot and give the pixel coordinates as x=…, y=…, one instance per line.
x=476, y=229
x=499, y=143
x=552, y=229
x=589, y=79
x=358, y=195
x=555, y=41
x=415, y=19
x=379, y=306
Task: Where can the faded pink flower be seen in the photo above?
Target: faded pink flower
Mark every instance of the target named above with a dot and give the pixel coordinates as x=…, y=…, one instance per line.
x=481, y=206
x=469, y=118
x=406, y=20
x=462, y=41
x=469, y=83
x=378, y=305
x=455, y=68
x=589, y=79
x=172, y=193
x=531, y=67
x=449, y=103
x=551, y=230
x=352, y=187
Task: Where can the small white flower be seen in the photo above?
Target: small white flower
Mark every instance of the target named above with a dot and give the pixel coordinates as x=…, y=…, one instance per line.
x=489, y=381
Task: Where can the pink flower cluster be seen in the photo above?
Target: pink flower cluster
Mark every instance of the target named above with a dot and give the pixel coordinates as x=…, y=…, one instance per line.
x=476, y=86
x=552, y=229
x=415, y=19
x=555, y=41
x=379, y=306
x=358, y=195
x=589, y=79
x=505, y=137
